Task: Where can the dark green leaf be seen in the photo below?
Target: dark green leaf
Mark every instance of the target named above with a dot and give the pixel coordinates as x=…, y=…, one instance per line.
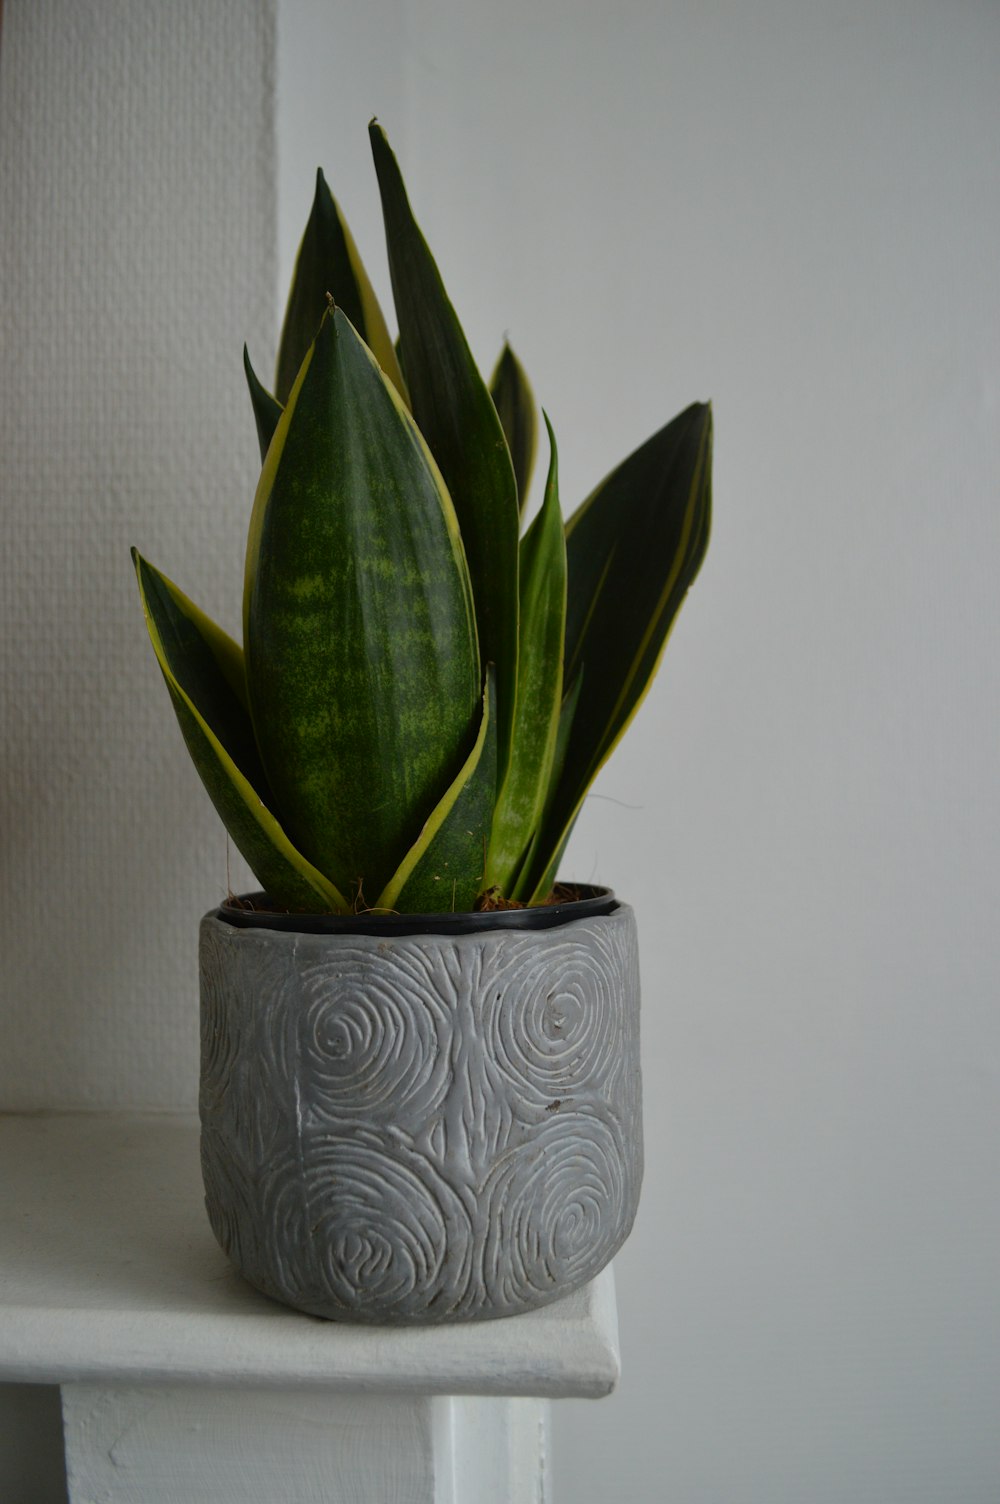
x=328, y=265
x=633, y=550
x=203, y=669
x=362, y=665
x=443, y=873
x=515, y=405
x=455, y=413
x=266, y=410
x=539, y=687
x=538, y=873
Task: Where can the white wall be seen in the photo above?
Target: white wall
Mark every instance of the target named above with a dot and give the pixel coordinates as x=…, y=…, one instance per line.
x=137, y=212
x=137, y=253
x=792, y=208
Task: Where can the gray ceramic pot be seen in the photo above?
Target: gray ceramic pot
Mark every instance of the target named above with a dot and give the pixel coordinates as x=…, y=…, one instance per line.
x=421, y=1128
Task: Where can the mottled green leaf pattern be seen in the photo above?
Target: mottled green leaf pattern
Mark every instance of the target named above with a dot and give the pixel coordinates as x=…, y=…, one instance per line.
x=444, y=870
x=455, y=413
x=422, y=701
x=362, y=666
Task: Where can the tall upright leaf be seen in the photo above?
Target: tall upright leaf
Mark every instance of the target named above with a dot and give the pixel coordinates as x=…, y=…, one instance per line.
x=362, y=664
x=203, y=669
x=328, y=265
x=456, y=415
x=541, y=863
x=539, y=686
x=633, y=550
x=515, y=405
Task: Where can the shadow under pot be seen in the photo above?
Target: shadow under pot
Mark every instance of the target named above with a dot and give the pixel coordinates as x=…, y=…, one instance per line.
x=422, y=1120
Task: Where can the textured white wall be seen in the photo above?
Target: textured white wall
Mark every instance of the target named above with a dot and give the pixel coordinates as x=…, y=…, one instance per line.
x=792, y=208
x=137, y=251
x=137, y=201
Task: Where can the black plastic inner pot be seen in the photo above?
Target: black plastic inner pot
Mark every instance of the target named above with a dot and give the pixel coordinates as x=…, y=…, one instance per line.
x=251, y=911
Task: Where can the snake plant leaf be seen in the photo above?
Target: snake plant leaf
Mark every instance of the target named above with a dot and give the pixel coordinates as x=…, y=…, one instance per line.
x=534, y=883
x=266, y=409
x=444, y=870
x=542, y=630
x=205, y=661
x=328, y=265
x=515, y=405
x=633, y=550
x=203, y=669
x=362, y=665
x=455, y=413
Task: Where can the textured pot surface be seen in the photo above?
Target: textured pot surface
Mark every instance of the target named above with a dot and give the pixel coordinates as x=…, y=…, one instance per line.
x=421, y=1128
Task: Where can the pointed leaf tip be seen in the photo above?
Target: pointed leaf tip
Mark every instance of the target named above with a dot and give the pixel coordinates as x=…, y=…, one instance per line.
x=382, y=570
x=456, y=415
x=266, y=409
x=633, y=550
x=328, y=263
x=514, y=401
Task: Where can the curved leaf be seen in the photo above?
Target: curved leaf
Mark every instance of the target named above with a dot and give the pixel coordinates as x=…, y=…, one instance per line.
x=362, y=665
x=515, y=405
x=456, y=416
x=633, y=551
x=198, y=662
x=328, y=265
x=266, y=409
x=539, y=687
x=443, y=871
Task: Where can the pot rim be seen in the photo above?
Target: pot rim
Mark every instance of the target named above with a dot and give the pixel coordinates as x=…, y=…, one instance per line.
x=598, y=901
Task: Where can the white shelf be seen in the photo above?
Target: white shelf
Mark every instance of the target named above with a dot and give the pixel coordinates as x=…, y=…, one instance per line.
x=109, y=1272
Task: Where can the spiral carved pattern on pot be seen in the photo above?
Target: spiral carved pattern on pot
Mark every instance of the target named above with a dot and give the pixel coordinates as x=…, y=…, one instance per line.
x=372, y=1044
x=246, y=1069
x=557, y=1209
x=374, y=1235
x=552, y=1020
x=220, y=1044
x=231, y=1202
x=421, y=1128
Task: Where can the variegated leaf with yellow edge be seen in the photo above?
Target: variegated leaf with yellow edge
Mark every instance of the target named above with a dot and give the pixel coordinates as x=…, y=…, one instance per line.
x=362, y=666
x=203, y=669
x=633, y=550
x=541, y=635
x=329, y=266
x=444, y=870
x=456, y=415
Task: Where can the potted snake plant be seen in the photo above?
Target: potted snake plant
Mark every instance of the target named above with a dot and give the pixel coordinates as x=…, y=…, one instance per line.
x=420, y=1093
